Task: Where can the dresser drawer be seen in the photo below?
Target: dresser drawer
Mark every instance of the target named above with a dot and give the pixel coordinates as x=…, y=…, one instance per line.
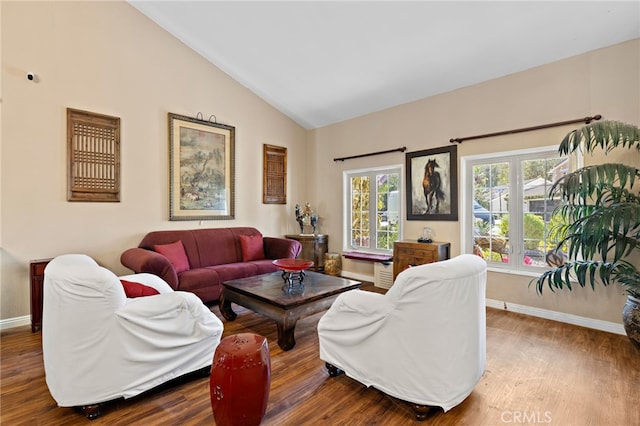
x=424, y=253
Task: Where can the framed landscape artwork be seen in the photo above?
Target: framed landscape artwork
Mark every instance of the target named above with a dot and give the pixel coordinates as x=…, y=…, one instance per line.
x=202, y=169
x=432, y=184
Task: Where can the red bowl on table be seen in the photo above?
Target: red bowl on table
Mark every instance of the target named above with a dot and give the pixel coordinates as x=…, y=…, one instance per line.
x=293, y=265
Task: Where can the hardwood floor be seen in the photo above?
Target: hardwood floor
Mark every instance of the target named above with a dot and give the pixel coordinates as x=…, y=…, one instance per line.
x=538, y=372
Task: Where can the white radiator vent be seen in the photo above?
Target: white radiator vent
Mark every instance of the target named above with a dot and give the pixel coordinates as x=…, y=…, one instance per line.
x=383, y=275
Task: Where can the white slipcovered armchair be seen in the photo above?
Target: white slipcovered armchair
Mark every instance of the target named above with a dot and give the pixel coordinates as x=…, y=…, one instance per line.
x=98, y=345
x=423, y=342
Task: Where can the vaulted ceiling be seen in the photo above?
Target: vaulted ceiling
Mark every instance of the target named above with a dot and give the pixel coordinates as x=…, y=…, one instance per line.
x=325, y=62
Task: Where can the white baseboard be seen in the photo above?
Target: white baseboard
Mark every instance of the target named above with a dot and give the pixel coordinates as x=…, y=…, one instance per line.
x=596, y=324
x=610, y=327
x=15, y=322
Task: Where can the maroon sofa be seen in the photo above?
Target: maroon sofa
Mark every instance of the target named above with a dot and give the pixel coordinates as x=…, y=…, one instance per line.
x=200, y=260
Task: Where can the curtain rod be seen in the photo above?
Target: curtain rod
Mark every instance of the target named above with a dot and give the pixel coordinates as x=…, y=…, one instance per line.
x=585, y=120
x=401, y=149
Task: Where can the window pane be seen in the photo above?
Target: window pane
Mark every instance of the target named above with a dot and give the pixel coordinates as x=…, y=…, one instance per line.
x=387, y=209
x=490, y=211
x=538, y=176
x=360, y=211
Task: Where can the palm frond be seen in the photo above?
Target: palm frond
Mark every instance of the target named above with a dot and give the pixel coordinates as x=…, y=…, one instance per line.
x=589, y=273
x=606, y=135
x=602, y=232
x=628, y=275
x=595, y=182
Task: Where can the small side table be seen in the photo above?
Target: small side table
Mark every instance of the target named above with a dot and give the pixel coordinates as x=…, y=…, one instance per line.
x=36, y=276
x=240, y=380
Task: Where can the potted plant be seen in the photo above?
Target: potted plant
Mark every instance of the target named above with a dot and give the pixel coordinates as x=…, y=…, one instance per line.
x=601, y=219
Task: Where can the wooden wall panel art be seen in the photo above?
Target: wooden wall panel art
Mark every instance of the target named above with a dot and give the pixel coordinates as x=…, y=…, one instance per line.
x=93, y=154
x=274, y=175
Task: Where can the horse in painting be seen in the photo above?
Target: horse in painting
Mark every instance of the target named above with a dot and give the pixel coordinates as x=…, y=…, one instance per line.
x=432, y=186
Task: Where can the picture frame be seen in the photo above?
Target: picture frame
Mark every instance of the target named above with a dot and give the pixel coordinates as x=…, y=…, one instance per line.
x=432, y=184
x=201, y=169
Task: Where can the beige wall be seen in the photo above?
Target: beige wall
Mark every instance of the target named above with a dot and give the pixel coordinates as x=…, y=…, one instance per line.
x=601, y=82
x=108, y=58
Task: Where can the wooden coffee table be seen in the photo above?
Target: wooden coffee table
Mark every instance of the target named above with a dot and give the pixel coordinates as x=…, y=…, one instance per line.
x=269, y=295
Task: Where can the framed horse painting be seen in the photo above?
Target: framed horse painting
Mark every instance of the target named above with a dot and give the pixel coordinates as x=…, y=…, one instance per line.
x=432, y=184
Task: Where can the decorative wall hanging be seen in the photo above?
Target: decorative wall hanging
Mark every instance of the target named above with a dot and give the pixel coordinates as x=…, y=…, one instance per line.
x=274, y=174
x=93, y=156
x=201, y=169
x=432, y=184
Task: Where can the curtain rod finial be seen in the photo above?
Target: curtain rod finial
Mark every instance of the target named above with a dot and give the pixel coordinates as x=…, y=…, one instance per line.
x=588, y=120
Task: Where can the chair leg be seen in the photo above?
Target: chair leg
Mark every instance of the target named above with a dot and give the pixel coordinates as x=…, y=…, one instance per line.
x=422, y=412
x=333, y=370
x=92, y=411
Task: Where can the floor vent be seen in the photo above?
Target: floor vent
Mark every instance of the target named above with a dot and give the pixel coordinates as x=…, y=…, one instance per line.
x=383, y=275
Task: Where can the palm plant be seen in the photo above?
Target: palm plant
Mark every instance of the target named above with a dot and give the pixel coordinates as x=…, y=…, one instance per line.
x=601, y=212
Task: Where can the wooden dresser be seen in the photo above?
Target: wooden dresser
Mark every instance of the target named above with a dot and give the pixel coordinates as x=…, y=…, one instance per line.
x=313, y=248
x=412, y=253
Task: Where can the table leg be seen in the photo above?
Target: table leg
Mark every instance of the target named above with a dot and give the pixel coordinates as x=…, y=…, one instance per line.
x=286, y=338
x=225, y=309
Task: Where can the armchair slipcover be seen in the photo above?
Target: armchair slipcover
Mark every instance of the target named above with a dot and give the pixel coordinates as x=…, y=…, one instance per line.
x=99, y=346
x=423, y=342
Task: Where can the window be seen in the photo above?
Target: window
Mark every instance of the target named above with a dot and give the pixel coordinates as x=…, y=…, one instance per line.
x=372, y=204
x=508, y=217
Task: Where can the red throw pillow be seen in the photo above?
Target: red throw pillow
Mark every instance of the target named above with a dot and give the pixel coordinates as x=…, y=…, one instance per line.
x=176, y=255
x=132, y=289
x=252, y=247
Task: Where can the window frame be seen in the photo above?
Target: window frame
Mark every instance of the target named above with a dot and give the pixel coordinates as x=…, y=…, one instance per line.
x=515, y=187
x=346, y=214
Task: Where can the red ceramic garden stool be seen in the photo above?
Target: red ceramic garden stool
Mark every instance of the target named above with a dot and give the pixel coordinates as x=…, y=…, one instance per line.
x=240, y=380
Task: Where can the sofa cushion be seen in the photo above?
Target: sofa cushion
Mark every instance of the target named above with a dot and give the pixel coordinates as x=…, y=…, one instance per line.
x=264, y=266
x=252, y=247
x=176, y=255
x=217, y=246
x=133, y=290
x=165, y=237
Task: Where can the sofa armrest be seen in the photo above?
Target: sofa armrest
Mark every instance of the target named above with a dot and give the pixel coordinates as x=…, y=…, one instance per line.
x=281, y=248
x=140, y=260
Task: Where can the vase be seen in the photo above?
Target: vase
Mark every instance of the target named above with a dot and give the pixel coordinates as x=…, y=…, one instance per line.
x=332, y=264
x=631, y=320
